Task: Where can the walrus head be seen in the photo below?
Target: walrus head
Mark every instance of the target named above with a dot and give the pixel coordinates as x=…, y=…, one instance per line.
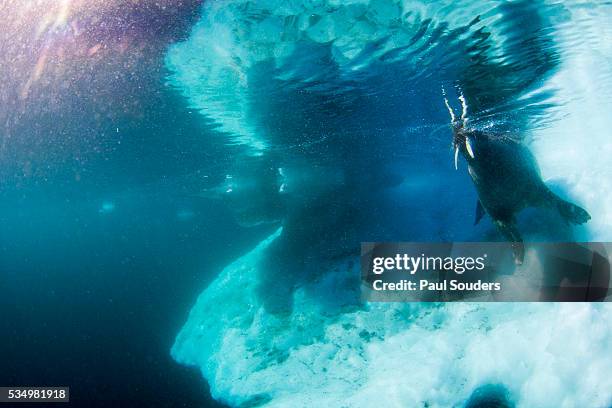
x=461, y=141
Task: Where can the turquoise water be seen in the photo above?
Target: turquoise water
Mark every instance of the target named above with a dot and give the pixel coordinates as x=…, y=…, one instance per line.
x=184, y=188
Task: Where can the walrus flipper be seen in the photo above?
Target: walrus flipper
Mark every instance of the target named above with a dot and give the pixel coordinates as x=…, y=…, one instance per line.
x=511, y=232
x=480, y=212
x=571, y=212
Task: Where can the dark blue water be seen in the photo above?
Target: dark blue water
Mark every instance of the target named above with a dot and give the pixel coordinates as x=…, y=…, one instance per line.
x=95, y=303
x=99, y=260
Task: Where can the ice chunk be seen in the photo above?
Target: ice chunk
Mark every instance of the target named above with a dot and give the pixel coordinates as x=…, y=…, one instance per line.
x=390, y=354
x=575, y=151
x=330, y=352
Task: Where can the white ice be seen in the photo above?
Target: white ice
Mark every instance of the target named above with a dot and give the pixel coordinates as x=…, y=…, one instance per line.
x=547, y=355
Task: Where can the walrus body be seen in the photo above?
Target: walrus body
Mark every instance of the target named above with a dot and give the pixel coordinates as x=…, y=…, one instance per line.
x=507, y=179
x=505, y=175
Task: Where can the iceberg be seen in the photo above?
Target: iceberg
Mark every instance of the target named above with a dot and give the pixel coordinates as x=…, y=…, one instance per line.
x=322, y=56
x=574, y=151
x=381, y=354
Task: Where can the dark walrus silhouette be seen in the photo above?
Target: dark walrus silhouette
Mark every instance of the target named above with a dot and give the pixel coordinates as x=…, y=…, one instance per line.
x=507, y=179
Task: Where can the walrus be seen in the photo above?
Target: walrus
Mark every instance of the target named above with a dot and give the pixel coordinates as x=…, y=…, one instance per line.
x=507, y=179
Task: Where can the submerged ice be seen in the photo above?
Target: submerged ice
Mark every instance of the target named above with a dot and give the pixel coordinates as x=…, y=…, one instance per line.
x=345, y=98
x=328, y=352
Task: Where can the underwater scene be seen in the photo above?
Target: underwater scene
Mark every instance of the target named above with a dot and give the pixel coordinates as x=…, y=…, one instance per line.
x=185, y=186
